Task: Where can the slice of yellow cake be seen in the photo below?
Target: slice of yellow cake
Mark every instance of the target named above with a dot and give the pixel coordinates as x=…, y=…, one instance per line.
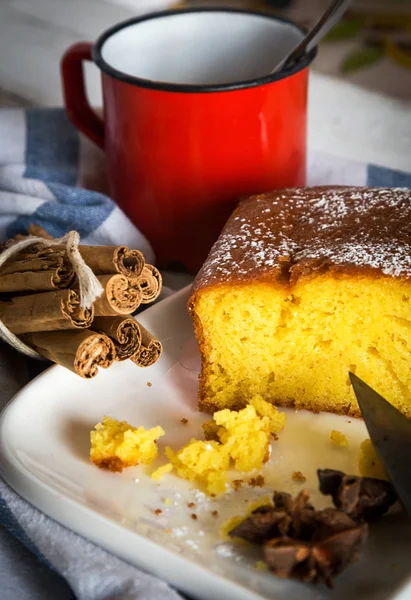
x=302, y=287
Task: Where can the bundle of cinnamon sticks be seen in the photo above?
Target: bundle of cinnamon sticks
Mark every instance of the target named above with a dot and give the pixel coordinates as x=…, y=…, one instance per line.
x=39, y=302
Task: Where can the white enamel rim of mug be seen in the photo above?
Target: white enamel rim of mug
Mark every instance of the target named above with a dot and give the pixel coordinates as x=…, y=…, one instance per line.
x=199, y=49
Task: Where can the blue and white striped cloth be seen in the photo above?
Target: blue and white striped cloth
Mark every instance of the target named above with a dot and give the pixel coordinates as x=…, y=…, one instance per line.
x=51, y=176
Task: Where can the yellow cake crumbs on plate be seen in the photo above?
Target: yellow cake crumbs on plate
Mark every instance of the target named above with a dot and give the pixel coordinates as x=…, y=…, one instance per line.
x=168, y=501
x=266, y=409
x=369, y=463
x=338, y=438
x=161, y=471
x=116, y=445
x=238, y=440
x=298, y=476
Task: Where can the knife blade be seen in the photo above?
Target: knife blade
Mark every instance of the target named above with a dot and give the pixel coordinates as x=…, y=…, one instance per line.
x=390, y=433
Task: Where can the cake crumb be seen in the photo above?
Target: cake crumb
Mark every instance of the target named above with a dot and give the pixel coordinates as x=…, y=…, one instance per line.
x=116, y=445
x=161, y=471
x=235, y=440
x=274, y=436
x=168, y=501
x=157, y=511
x=338, y=438
x=237, y=483
x=194, y=517
x=260, y=565
x=191, y=505
x=214, y=513
x=149, y=384
x=168, y=530
x=369, y=463
x=298, y=476
x=258, y=481
x=184, y=421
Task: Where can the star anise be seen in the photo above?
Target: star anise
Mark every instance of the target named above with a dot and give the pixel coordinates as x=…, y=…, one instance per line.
x=288, y=517
x=316, y=545
x=315, y=562
x=262, y=526
x=300, y=542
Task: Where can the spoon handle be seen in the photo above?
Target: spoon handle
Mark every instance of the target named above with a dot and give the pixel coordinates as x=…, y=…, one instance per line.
x=339, y=9
x=328, y=19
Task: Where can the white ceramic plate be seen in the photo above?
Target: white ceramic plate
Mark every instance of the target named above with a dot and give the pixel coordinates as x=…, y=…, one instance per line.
x=44, y=435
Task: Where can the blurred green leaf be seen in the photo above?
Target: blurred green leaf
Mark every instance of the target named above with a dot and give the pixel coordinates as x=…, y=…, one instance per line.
x=346, y=29
x=358, y=59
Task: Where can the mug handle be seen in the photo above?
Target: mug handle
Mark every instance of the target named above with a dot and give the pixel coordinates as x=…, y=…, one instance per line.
x=77, y=106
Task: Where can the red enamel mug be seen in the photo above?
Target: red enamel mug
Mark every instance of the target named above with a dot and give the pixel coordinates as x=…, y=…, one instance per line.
x=193, y=119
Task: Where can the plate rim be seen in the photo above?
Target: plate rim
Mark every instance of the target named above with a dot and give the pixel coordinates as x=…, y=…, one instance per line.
x=103, y=531
x=100, y=529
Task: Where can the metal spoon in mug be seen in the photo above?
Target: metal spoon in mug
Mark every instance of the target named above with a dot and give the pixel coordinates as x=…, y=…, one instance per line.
x=328, y=19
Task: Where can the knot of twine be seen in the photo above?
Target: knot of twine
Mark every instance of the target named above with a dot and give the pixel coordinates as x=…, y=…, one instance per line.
x=89, y=286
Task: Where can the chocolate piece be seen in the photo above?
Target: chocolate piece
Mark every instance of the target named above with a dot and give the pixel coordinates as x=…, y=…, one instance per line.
x=363, y=498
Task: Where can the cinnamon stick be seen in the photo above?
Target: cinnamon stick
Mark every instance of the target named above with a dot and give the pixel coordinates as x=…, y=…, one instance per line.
x=120, y=296
x=36, y=271
x=124, y=332
x=48, y=311
x=150, y=349
x=38, y=231
x=35, y=230
x=103, y=260
x=80, y=351
x=150, y=283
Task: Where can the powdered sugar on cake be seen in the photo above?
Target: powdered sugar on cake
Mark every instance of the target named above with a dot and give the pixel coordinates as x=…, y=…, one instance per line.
x=303, y=229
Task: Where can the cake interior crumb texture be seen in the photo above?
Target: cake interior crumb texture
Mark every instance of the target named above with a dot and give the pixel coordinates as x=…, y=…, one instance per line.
x=342, y=302
x=116, y=445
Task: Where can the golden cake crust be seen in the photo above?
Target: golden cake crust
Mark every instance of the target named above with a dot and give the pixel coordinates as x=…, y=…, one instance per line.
x=288, y=234
x=292, y=234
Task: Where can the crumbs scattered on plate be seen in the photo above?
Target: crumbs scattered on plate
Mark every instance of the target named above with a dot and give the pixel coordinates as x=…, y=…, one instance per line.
x=298, y=476
x=338, y=438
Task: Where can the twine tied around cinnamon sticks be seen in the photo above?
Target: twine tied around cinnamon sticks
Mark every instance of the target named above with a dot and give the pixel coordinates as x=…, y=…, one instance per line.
x=73, y=304
x=89, y=286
